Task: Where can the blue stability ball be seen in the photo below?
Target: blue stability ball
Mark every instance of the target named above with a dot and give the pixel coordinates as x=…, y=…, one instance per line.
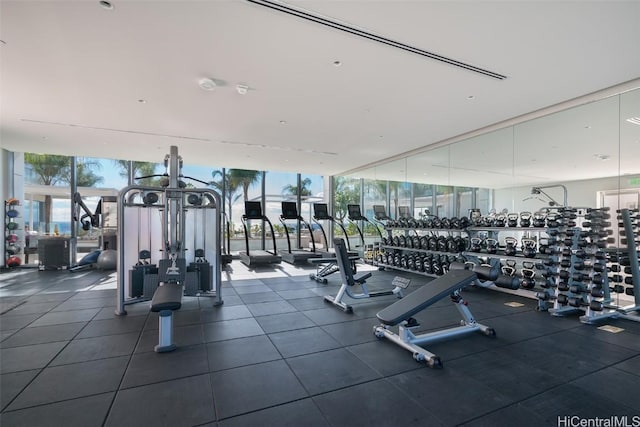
x=108, y=259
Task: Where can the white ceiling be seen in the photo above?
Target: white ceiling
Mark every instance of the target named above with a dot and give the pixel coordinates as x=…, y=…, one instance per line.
x=71, y=75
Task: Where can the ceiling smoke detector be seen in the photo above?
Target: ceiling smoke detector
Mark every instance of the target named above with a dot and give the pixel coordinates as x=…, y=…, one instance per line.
x=207, y=84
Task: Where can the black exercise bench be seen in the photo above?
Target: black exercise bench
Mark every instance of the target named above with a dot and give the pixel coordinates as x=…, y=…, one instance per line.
x=166, y=299
x=400, y=313
x=349, y=281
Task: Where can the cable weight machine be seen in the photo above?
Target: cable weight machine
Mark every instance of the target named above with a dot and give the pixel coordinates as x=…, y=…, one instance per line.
x=156, y=228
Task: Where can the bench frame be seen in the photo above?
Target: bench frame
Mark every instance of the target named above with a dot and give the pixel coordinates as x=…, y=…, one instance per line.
x=423, y=298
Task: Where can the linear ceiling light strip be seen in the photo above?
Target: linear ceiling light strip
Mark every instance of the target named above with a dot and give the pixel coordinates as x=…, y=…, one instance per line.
x=336, y=25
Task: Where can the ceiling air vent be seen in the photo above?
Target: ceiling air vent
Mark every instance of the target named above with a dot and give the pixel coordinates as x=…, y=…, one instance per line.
x=279, y=7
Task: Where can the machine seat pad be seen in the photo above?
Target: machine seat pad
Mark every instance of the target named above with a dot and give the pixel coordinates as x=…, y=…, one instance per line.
x=361, y=278
x=425, y=296
x=167, y=297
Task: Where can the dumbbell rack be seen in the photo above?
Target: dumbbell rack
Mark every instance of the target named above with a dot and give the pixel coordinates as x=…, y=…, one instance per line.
x=12, y=240
x=405, y=252
x=630, y=221
x=582, y=283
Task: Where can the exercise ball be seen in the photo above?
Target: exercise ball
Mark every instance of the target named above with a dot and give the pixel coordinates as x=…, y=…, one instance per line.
x=107, y=260
x=13, y=261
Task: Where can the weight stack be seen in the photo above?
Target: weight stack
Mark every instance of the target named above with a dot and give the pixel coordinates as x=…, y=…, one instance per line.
x=202, y=282
x=136, y=279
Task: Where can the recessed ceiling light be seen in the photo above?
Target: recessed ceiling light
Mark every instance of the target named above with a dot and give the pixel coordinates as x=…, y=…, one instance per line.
x=242, y=89
x=634, y=120
x=337, y=63
x=587, y=127
x=207, y=84
x=603, y=157
x=142, y=101
x=44, y=137
x=3, y=42
x=106, y=5
x=283, y=122
x=470, y=97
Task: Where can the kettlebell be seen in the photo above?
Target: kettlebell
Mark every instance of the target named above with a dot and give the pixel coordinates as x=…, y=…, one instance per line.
x=511, y=246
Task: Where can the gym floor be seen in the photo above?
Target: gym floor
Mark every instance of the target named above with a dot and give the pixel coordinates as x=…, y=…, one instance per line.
x=275, y=354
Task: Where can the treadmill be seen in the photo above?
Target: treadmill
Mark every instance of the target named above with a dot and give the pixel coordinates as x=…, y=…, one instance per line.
x=296, y=256
x=251, y=258
x=321, y=213
x=380, y=217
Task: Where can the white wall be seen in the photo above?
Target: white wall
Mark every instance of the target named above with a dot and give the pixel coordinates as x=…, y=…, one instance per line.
x=579, y=194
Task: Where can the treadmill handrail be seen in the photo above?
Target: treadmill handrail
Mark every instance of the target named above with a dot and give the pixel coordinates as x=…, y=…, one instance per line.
x=244, y=219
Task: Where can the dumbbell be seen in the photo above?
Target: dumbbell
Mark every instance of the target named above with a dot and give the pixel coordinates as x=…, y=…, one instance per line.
x=436, y=266
x=597, y=292
x=454, y=223
x=511, y=246
x=464, y=222
x=411, y=262
x=427, y=264
x=433, y=243
x=416, y=242
x=562, y=299
x=563, y=286
x=436, y=222
x=445, y=223
x=528, y=276
x=461, y=243
x=409, y=242
x=418, y=263
x=629, y=291
x=441, y=244
x=424, y=242
x=404, y=261
x=578, y=301
x=577, y=289
x=395, y=259
x=411, y=223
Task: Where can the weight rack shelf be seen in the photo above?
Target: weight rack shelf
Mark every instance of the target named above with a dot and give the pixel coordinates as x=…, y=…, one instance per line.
x=539, y=257
x=446, y=230
x=536, y=229
x=427, y=251
x=407, y=270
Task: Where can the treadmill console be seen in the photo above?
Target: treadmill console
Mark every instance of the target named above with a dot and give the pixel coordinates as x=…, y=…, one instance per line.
x=289, y=210
x=404, y=211
x=354, y=212
x=379, y=212
x=321, y=211
x=253, y=210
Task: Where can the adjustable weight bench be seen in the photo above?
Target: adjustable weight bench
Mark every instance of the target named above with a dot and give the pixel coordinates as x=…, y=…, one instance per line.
x=349, y=281
x=400, y=313
x=327, y=266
